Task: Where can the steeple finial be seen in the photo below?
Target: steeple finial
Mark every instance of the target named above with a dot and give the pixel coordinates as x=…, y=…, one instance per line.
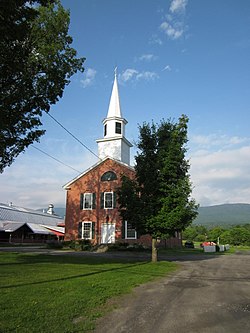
x=115, y=71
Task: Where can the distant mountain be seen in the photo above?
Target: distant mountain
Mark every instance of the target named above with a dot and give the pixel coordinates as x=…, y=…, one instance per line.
x=60, y=211
x=223, y=215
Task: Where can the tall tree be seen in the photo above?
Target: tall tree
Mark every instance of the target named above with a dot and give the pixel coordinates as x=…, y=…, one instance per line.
x=36, y=63
x=161, y=189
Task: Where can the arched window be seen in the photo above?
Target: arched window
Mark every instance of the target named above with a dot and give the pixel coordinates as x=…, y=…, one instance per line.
x=109, y=175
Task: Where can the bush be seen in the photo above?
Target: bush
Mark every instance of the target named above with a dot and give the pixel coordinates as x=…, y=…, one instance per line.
x=78, y=245
x=126, y=247
x=54, y=244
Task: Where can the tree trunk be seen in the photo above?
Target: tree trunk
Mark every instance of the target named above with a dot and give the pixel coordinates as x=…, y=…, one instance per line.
x=154, y=250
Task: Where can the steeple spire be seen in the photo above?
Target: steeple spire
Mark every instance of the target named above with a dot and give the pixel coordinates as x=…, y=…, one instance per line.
x=114, y=109
x=114, y=143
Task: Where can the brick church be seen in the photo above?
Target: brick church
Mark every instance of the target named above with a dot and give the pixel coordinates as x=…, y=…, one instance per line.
x=91, y=205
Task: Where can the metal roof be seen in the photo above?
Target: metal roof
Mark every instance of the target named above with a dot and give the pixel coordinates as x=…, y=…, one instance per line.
x=25, y=215
x=9, y=226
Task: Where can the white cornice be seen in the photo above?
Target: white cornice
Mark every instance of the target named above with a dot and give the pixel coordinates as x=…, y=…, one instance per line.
x=120, y=137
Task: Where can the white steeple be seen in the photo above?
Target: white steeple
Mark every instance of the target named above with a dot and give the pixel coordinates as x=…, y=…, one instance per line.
x=114, y=104
x=114, y=144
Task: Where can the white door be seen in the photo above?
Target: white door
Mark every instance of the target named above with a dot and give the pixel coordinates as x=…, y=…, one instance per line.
x=108, y=233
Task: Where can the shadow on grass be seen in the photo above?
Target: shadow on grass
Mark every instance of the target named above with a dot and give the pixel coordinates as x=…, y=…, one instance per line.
x=126, y=265
x=99, y=271
x=79, y=258
x=119, y=257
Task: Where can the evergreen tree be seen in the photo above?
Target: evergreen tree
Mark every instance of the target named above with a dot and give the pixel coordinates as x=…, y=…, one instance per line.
x=161, y=189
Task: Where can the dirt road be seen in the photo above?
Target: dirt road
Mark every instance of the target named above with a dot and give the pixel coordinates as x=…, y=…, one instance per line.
x=210, y=295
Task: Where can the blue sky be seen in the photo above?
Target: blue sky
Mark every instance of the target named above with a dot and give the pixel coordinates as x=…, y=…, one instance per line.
x=174, y=57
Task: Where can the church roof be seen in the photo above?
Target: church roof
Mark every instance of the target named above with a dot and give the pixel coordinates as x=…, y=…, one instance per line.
x=66, y=186
x=114, y=104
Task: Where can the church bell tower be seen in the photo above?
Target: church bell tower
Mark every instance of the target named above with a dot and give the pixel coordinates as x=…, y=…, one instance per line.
x=114, y=144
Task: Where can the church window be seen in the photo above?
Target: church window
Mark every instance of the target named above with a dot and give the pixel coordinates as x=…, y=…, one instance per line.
x=108, y=200
x=108, y=176
x=130, y=231
x=86, y=230
x=118, y=128
x=87, y=200
x=105, y=130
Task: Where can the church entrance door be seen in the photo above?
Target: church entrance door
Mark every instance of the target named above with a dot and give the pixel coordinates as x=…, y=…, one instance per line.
x=108, y=233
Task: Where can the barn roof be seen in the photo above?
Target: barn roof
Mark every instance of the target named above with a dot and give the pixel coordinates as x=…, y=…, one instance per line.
x=25, y=215
x=9, y=226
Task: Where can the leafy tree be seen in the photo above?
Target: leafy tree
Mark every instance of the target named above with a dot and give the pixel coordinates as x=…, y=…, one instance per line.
x=195, y=232
x=37, y=61
x=246, y=226
x=225, y=237
x=215, y=233
x=190, y=233
x=236, y=236
x=202, y=230
x=161, y=189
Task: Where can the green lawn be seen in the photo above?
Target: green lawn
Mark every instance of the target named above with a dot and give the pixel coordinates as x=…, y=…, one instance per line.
x=45, y=293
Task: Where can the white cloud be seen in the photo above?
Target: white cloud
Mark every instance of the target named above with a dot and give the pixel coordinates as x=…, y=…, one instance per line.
x=134, y=75
x=172, y=31
x=213, y=140
x=174, y=24
x=178, y=6
x=147, y=57
x=167, y=68
x=155, y=40
x=89, y=77
x=34, y=180
x=148, y=76
x=128, y=74
x=220, y=169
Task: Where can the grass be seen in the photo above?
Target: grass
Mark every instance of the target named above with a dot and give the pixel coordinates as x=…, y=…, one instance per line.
x=46, y=293
x=237, y=248
x=182, y=251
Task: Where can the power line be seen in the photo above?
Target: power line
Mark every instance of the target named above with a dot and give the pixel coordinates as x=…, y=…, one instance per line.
x=72, y=135
x=55, y=158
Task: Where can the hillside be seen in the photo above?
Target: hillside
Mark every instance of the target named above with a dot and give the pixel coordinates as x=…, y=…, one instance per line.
x=223, y=215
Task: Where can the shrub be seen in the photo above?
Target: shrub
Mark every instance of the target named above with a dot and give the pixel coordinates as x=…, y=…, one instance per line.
x=54, y=244
x=78, y=245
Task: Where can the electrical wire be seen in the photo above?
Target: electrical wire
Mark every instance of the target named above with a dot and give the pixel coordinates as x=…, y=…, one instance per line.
x=72, y=135
x=55, y=158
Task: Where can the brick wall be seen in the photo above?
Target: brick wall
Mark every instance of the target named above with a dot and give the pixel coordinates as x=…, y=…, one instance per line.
x=91, y=182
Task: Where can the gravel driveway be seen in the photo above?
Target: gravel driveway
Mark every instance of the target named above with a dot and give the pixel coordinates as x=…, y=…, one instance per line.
x=211, y=295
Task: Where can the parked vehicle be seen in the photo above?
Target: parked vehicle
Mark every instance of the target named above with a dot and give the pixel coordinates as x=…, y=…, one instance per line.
x=189, y=244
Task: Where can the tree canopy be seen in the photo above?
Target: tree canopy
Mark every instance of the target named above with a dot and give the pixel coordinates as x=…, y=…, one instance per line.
x=37, y=61
x=158, y=201
x=234, y=235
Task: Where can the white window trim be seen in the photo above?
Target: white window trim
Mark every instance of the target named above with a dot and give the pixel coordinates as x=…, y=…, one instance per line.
x=91, y=204
x=87, y=222
x=105, y=200
x=126, y=232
